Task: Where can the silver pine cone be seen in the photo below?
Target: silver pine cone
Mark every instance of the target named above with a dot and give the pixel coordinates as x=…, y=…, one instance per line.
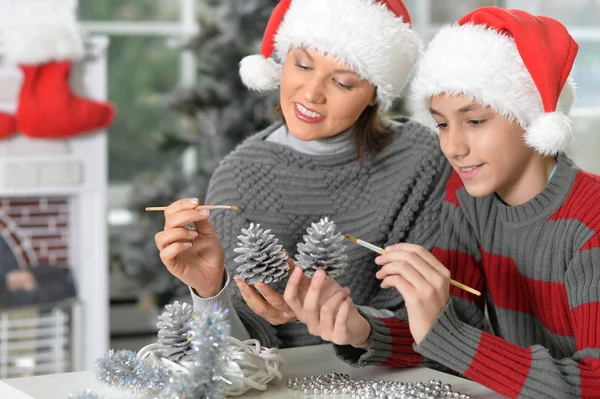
x=261, y=258
x=322, y=249
x=173, y=330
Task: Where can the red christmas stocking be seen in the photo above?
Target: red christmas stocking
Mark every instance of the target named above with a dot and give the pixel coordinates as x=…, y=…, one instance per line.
x=7, y=125
x=48, y=108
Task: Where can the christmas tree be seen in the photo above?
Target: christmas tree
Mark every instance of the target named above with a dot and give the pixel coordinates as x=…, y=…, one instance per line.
x=216, y=115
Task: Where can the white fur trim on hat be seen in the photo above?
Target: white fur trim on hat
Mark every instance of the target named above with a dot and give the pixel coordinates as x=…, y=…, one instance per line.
x=40, y=31
x=364, y=35
x=549, y=132
x=481, y=63
x=260, y=73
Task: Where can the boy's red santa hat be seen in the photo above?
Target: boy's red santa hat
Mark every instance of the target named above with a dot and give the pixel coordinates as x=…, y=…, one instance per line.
x=372, y=37
x=510, y=60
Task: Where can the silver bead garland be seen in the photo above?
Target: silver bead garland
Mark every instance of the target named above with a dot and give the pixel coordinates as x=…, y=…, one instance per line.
x=337, y=384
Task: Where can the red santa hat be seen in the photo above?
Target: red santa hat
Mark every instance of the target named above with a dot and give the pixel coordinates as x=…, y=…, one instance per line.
x=510, y=60
x=372, y=37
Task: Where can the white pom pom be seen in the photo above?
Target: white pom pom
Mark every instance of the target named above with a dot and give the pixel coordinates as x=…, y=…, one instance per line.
x=550, y=133
x=260, y=73
x=567, y=97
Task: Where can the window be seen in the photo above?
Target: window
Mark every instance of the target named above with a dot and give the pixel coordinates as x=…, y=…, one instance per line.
x=143, y=64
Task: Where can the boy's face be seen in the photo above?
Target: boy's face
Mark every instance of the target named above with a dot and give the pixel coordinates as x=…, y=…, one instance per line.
x=486, y=149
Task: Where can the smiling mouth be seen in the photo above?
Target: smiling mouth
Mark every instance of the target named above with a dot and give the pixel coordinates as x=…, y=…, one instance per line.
x=469, y=169
x=307, y=112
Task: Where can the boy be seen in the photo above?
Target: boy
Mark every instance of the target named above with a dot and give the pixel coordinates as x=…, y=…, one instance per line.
x=521, y=224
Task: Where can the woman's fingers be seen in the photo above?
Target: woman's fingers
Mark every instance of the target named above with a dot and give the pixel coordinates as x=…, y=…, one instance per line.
x=167, y=237
x=168, y=255
x=181, y=205
x=257, y=303
x=186, y=217
x=290, y=295
x=311, y=301
x=276, y=300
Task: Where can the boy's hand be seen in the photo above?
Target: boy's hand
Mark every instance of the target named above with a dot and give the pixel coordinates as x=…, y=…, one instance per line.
x=421, y=279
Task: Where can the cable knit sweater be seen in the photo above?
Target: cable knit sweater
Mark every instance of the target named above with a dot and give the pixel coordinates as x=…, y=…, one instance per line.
x=538, y=266
x=396, y=196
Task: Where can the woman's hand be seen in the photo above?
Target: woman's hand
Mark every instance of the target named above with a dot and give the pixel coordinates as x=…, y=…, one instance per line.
x=270, y=304
x=329, y=314
x=421, y=279
x=192, y=254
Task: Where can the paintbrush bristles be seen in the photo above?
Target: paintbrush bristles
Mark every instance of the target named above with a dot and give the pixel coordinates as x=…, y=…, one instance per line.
x=201, y=207
x=365, y=244
x=350, y=238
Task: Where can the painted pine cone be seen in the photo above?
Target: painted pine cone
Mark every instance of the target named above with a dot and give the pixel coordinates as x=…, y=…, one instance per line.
x=322, y=249
x=173, y=330
x=261, y=259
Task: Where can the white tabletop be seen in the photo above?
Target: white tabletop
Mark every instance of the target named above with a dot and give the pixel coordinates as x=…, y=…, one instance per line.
x=299, y=362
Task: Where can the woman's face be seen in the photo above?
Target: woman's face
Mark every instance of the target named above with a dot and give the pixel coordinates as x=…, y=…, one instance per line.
x=320, y=97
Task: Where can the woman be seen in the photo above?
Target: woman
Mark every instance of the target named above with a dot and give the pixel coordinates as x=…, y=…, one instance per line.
x=340, y=61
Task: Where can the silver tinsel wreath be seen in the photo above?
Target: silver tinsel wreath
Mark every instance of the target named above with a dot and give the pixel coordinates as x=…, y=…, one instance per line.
x=173, y=330
x=207, y=335
x=322, y=249
x=261, y=258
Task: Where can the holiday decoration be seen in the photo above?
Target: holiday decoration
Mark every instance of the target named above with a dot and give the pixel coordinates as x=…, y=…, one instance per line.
x=7, y=125
x=203, y=378
x=322, y=249
x=48, y=108
x=262, y=259
x=43, y=38
x=249, y=365
x=334, y=384
x=218, y=112
x=173, y=330
x=123, y=370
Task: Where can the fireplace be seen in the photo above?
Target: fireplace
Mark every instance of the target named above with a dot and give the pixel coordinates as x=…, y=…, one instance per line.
x=36, y=229
x=53, y=214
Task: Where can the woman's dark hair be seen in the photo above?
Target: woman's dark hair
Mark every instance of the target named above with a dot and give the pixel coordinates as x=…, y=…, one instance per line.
x=370, y=136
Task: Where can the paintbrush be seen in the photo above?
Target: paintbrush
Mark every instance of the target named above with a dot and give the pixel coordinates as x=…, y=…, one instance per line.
x=381, y=251
x=200, y=208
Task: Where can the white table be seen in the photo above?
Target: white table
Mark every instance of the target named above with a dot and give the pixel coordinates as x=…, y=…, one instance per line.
x=299, y=362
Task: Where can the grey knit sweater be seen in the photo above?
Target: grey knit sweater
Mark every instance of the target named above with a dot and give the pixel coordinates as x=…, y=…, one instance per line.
x=396, y=196
x=538, y=268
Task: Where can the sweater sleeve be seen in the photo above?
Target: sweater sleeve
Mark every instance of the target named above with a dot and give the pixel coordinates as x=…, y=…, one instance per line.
x=222, y=299
x=391, y=342
x=223, y=190
x=532, y=372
